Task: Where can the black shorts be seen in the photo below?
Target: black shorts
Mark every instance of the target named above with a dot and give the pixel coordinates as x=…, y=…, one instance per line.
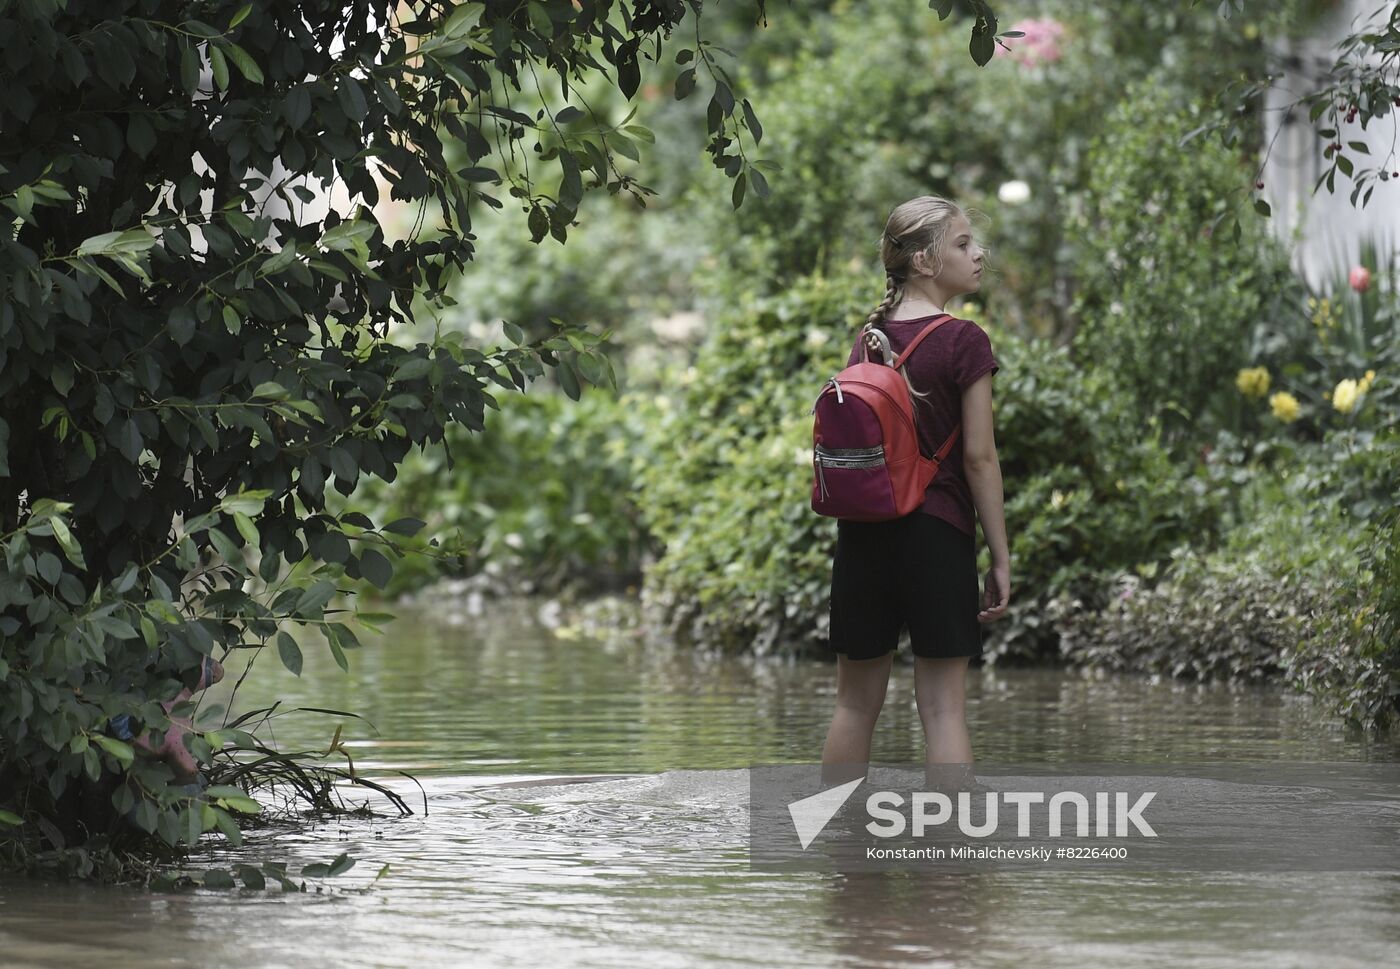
x=919, y=571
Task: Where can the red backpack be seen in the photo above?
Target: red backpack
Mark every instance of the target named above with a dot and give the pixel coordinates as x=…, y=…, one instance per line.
x=865, y=446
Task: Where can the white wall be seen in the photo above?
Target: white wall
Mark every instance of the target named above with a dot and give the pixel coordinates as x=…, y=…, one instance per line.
x=1332, y=230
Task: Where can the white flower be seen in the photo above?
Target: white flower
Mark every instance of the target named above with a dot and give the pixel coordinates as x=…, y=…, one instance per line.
x=817, y=338
x=802, y=455
x=1014, y=192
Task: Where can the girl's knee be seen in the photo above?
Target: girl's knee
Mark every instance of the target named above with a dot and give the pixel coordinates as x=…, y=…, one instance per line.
x=861, y=685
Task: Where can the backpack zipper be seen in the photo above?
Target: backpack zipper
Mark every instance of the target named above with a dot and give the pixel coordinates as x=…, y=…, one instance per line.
x=840, y=397
x=851, y=457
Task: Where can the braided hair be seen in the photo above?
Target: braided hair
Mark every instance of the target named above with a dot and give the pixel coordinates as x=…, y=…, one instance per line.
x=918, y=225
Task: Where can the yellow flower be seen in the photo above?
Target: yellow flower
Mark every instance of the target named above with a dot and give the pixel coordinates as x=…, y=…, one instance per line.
x=1285, y=406
x=1323, y=317
x=1364, y=384
x=1344, y=397
x=1253, y=381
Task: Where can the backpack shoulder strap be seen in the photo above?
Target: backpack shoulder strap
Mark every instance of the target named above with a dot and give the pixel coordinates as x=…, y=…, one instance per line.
x=914, y=343
x=948, y=444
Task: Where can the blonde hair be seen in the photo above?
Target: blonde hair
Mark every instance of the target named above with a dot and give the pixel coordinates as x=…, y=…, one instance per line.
x=919, y=225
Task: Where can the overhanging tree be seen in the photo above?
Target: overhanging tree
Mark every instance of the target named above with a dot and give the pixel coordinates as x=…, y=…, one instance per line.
x=192, y=347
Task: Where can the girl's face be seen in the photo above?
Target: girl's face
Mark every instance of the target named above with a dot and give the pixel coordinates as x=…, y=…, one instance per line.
x=962, y=260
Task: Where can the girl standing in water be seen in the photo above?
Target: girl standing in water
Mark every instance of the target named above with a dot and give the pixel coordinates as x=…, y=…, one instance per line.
x=920, y=571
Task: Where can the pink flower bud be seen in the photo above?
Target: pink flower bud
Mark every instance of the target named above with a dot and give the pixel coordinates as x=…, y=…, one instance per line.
x=1360, y=278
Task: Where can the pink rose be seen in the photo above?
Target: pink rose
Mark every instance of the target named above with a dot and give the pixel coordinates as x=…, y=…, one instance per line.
x=1040, y=45
x=1360, y=278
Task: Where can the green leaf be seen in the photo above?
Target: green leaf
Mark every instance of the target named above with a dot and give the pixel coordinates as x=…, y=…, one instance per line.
x=247, y=529
x=685, y=83
x=376, y=568
x=751, y=120
x=296, y=106
x=240, y=16
x=130, y=242
x=405, y=526
x=214, y=877
x=10, y=818
x=290, y=652
x=24, y=201
x=280, y=260
x=339, y=655
x=50, y=568
x=189, y=68
x=245, y=64
x=71, y=549
x=568, y=379
x=219, y=66
x=140, y=136
x=314, y=597
x=272, y=390
x=352, y=99
x=463, y=19
x=248, y=502
x=623, y=146
x=117, y=748
x=341, y=865
x=181, y=325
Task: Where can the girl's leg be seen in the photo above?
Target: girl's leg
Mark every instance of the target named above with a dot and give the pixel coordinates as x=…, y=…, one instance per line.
x=940, y=690
x=860, y=693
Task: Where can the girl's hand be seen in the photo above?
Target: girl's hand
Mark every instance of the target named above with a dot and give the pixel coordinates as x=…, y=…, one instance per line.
x=996, y=593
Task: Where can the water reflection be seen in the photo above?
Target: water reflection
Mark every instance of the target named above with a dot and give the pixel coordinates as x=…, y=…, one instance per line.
x=648, y=863
x=512, y=695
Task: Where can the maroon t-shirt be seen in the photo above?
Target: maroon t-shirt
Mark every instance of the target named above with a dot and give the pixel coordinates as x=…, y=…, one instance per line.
x=950, y=359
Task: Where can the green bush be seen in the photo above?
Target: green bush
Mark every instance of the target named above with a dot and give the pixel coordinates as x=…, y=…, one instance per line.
x=543, y=494
x=1090, y=489
x=1164, y=303
x=726, y=489
x=727, y=492
x=1295, y=590
x=851, y=141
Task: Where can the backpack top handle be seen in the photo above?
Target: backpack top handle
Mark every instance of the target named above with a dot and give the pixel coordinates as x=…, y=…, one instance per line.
x=886, y=351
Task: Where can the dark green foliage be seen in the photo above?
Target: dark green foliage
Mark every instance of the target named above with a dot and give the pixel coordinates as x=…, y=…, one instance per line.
x=1296, y=590
x=727, y=490
x=747, y=562
x=544, y=494
x=1164, y=301
x=192, y=355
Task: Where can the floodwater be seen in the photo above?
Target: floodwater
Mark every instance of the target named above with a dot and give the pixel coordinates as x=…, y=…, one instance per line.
x=586, y=805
